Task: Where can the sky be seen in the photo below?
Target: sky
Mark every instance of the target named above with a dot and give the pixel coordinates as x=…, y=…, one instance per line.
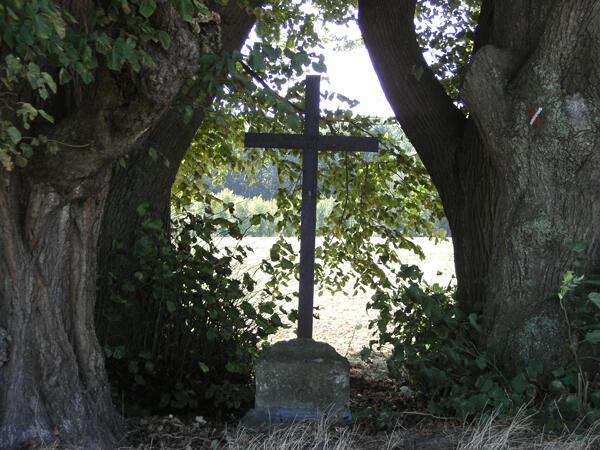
x=351, y=73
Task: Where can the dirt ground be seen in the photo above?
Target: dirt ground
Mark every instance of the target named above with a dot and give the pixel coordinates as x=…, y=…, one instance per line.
x=343, y=320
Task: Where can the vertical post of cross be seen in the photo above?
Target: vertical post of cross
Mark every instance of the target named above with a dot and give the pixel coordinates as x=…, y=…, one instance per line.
x=310, y=163
x=310, y=143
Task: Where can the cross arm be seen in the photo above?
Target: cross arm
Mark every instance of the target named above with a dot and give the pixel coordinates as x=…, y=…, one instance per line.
x=321, y=143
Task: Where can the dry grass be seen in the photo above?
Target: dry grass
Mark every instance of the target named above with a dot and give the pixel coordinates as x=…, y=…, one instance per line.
x=489, y=433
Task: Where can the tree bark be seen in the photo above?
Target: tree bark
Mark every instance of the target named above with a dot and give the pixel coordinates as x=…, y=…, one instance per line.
x=145, y=180
x=52, y=379
x=517, y=195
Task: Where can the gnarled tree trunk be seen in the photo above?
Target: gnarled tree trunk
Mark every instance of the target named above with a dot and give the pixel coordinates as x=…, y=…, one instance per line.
x=52, y=379
x=517, y=195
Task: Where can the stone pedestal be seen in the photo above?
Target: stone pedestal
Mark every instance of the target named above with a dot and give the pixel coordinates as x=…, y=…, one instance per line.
x=300, y=380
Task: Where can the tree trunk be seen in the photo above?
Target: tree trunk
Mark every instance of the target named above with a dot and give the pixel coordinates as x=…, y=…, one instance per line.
x=52, y=379
x=145, y=180
x=517, y=195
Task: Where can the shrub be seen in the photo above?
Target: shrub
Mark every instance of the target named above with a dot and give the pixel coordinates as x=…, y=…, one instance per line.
x=435, y=344
x=197, y=334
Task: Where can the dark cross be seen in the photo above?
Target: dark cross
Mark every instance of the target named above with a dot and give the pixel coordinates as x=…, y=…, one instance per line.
x=311, y=143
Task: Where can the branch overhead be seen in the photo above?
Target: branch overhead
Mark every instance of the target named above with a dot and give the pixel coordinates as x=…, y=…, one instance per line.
x=428, y=116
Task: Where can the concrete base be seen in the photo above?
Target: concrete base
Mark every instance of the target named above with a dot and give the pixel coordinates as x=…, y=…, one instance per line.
x=300, y=380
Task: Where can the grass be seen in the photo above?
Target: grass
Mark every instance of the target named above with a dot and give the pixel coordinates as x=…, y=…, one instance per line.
x=486, y=432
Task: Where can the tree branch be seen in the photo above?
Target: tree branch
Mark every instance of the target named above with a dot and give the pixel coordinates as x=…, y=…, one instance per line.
x=427, y=115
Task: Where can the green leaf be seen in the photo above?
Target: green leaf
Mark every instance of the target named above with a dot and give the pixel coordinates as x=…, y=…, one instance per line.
x=132, y=367
x=187, y=115
x=46, y=116
x=20, y=161
x=164, y=400
x=535, y=368
x=274, y=253
x=203, y=367
x=579, y=246
x=594, y=297
x=41, y=26
x=147, y=8
x=164, y=39
x=153, y=153
x=319, y=67
x=473, y=322
x=417, y=72
x=14, y=135
x=49, y=81
x=593, y=336
x=63, y=76
x=170, y=306
x=185, y=8
x=292, y=121
x=255, y=219
x=142, y=209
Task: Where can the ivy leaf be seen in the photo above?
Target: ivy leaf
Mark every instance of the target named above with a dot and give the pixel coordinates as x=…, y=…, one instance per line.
x=147, y=8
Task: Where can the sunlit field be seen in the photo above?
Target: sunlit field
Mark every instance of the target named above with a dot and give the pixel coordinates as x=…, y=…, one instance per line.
x=343, y=319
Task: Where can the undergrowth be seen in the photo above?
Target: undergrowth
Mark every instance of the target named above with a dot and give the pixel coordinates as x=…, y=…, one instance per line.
x=435, y=343
x=195, y=332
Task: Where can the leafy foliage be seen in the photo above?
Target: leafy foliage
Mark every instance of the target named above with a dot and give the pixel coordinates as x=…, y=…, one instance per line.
x=197, y=332
x=45, y=47
x=437, y=345
x=254, y=215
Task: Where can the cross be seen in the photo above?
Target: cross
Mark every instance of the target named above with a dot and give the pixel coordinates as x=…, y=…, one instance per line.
x=311, y=143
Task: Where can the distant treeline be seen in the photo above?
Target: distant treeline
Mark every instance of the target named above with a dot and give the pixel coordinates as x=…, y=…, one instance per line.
x=245, y=208
x=264, y=183
x=254, y=195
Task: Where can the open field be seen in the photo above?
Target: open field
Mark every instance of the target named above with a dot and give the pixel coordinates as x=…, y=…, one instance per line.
x=343, y=320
